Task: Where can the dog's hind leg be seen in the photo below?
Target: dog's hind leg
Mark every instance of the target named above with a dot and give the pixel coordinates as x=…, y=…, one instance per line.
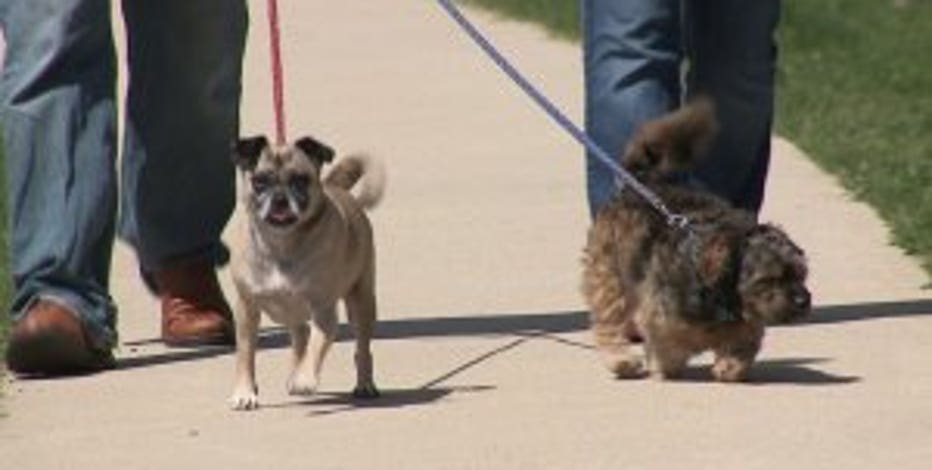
x=665, y=345
x=323, y=331
x=611, y=304
x=362, y=312
x=665, y=361
x=609, y=324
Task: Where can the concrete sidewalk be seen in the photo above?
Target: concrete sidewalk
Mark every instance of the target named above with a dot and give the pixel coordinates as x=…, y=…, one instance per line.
x=484, y=359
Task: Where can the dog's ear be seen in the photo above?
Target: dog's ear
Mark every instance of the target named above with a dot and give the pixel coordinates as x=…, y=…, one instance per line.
x=246, y=151
x=772, y=235
x=778, y=241
x=318, y=152
x=716, y=260
x=760, y=230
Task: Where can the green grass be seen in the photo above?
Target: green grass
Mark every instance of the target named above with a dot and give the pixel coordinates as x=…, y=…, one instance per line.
x=856, y=94
x=854, y=91
x=561, y=17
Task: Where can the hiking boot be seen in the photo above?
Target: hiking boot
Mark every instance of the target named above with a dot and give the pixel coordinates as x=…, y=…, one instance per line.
x=194, y=310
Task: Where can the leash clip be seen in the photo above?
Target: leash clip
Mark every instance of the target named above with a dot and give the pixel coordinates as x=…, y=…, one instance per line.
x=678, y=221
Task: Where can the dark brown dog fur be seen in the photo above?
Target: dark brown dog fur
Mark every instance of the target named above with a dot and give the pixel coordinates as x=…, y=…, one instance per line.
x=685, y=292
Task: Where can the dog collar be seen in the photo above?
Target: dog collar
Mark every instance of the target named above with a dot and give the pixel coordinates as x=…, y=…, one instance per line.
x=721, y=298
x=726, y=308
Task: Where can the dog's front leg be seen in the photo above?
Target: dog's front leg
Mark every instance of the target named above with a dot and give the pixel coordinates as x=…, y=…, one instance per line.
x=245, y=392
x=300, y=335
x=666, y=359
x=306, y=376
x=664, y=364
x=733, y=360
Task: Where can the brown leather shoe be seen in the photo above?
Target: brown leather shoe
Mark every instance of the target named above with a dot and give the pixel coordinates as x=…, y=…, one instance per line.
x=194, y=311
x=50, y=340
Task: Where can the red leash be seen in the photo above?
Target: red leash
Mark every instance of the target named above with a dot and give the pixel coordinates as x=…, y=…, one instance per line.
x=278, y=85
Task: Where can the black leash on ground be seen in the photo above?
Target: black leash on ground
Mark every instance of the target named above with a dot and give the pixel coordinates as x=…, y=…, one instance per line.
x=677, y=221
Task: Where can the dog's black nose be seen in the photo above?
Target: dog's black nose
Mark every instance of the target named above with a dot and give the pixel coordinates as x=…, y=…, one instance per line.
x=279, y=201
x=803, y=300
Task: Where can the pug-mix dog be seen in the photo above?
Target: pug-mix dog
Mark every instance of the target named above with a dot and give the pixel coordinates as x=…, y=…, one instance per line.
x=309, y=244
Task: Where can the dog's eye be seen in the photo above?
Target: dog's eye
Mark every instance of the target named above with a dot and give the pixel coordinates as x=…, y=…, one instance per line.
x=769, y=295
x=299, y=182
x=261, y=182
x=800, y=272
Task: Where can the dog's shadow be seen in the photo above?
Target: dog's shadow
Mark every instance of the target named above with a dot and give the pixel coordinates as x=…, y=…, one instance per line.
x=793, y=371
x=843, y=313
x=330, y=403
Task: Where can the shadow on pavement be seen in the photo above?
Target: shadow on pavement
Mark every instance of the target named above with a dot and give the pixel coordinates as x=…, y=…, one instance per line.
x=870, y=311
x=429, y=392
x=171, y=356
x=544, y=325
x=778, y=371
x=475, y=362
x=559, y=322
x=795, y=372
x=327, y=404
x=479, y=325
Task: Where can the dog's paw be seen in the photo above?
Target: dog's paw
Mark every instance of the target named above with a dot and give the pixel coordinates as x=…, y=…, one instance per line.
x=624, y=366
x=661, y=371
x=244, y=399
x=366, y=391
x=730, y=370
x=663, y=375
x=301, y=385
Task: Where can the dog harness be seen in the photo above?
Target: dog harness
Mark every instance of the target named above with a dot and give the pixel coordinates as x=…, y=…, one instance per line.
x=720, y=298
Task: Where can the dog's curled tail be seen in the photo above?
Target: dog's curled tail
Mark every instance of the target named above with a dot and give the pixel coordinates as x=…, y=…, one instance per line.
x=673, y=142
x=351, y=169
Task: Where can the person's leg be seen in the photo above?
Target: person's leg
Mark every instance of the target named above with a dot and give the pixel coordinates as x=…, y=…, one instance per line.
x=632, y=57
x=58, y=119
x=185, y=61
x=182, y=117
x=732, y=52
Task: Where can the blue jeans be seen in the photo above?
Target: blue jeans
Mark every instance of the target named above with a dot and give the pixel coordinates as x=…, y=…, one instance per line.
x=59, y=132
x=635, y=55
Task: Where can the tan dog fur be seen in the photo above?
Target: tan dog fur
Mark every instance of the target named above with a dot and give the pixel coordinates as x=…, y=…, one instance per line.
x=297, y=264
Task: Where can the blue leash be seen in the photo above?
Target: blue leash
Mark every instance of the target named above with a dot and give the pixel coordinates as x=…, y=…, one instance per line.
x=674, y=220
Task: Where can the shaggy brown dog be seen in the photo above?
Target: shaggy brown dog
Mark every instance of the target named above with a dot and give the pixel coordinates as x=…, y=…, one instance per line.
x=714, y=287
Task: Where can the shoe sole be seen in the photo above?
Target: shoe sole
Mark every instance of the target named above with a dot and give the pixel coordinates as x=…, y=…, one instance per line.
x=53, y=353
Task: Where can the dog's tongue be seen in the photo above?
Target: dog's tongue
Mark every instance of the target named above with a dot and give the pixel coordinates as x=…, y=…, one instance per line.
x=281, y=216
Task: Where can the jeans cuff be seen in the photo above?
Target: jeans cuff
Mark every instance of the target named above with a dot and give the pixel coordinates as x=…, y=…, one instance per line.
x=217, y=255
